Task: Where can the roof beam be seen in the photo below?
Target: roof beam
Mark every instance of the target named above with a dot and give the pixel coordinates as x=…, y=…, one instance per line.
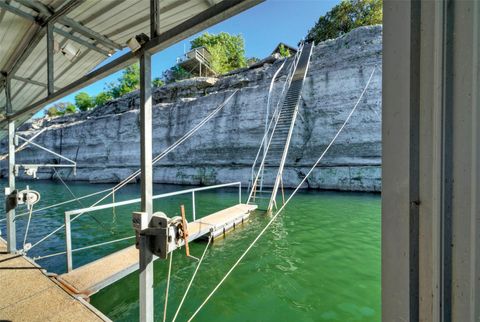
x=154, y=18
x=50, y=65
x=208, y=17
x=81, y=29
x=30, y=81
x=82, y=42
x=38, y=35
x=68, y=22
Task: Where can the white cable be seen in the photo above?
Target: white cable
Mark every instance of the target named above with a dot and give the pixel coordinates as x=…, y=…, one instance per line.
x=283, y=206
x=191, y=280
x=63, y=203
x=168, y=288
x=27, y=228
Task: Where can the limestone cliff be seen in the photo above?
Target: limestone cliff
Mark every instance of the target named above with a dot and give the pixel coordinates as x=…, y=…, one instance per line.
x=105, y=141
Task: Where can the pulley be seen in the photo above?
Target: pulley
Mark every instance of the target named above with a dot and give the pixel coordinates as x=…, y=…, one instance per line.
x=15, y=198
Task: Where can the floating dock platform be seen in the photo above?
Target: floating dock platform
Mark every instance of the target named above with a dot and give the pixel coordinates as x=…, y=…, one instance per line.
x=92, y=277
x=29, y=294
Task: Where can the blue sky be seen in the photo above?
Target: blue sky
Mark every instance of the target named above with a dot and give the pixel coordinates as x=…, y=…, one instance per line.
x=262, y=27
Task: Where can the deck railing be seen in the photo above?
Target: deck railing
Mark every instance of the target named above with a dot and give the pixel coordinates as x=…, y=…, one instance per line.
x=68, y=214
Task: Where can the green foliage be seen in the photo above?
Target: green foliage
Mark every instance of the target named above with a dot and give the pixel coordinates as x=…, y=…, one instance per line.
x=61, y=108
x=52, y=112
x=126, y=83
x=175, y=74
x=102, y=98
x=70, y=108
x=252, y=60
x=83, y=101
x=157, y=82
x=284, y=51
x=228, y=51
x=347, y=15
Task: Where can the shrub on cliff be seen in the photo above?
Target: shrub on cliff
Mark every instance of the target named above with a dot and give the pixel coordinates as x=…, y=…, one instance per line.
x=175, y=74
x=284, y=52
x=83, y=101
x=157, y=82
x=126, y=83
x=61, y=108
x=347, y=15
x=102, y=98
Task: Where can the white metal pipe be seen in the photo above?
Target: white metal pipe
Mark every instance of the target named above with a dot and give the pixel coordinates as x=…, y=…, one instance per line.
x=68, y=242
x=193, y=206
x=137, y=200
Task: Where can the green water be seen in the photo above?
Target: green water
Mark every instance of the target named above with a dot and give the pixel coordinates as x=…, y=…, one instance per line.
x=320, y=261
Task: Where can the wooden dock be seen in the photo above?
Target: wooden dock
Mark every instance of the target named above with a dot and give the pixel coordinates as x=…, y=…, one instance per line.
x=28, y=294
x=96, y=275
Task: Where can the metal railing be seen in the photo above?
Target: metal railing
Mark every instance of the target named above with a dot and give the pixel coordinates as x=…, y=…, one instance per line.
x=270, y=130
x=68, y=233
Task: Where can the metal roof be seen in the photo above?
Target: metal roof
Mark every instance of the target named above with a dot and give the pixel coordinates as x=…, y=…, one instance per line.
x=97, y=29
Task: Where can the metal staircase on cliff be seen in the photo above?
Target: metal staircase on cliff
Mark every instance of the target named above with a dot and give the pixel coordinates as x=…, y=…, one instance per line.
x=276, y=142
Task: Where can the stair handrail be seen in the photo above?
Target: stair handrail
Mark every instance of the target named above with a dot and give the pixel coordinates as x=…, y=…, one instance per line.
x=275, y=117
x=276, y=111
x=279, y=176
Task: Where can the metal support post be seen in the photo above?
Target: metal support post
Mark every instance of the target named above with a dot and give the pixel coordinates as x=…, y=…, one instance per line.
x=240, y=192
x=68, y=242
x=154, y=18
x=50, y=45
x=146, y=258
x=11, y=230
x=193, y=206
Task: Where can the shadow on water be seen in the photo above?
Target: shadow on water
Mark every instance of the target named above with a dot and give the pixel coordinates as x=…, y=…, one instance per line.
x=319, y=261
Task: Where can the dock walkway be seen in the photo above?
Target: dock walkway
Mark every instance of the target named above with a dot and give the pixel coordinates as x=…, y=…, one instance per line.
x=28, y=294
x=96, y=275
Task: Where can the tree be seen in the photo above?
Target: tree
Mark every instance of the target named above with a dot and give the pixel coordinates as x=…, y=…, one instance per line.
x=228, y=51
x=284, y=52
x=70, y=109
x=102, y=98
x=61, y=108
x=175, y=74
x=126, y=83
x=157, y=82
x=347, y=15
x=52, y=112
x=83, y=101
x=252, y=60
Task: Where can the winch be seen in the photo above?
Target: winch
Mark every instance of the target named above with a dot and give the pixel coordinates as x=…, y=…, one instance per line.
x=14, y=198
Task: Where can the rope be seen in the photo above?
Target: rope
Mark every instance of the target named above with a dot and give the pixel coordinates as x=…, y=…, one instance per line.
x=285, y=204
x=83, y=248
x=27, y=229
x=155, y=160
x=168, y=287
x=63, y=203
x=191, y=280
x=78, y=200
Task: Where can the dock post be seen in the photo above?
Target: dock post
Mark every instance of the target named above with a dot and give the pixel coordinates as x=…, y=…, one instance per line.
x=146, y=257
x=193, y=206
x=11, y=229
x=240, y=193
x=68, y=242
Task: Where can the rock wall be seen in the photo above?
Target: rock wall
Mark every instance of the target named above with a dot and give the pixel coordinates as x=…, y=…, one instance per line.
x=105, y=141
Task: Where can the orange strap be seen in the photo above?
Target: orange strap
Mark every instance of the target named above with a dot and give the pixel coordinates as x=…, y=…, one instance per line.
x=185, y=229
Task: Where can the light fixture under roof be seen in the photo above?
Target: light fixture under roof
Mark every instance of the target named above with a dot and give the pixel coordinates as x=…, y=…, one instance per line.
x=70, y=51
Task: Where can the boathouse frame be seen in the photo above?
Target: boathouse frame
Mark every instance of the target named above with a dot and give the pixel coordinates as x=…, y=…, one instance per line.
x=431, y=161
